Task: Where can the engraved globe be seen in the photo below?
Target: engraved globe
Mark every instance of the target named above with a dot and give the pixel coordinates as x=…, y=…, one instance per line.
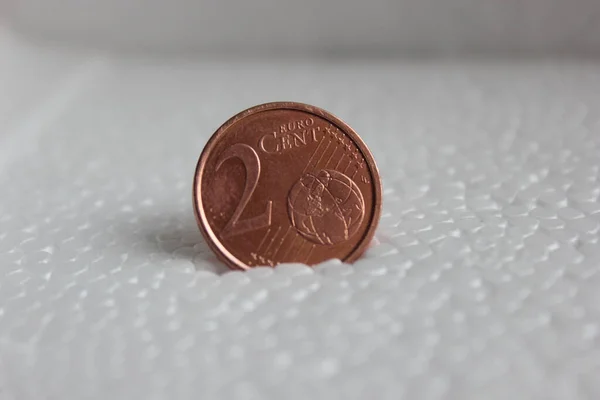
x=326, y=207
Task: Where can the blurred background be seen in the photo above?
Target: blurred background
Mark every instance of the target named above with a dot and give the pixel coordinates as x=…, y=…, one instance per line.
x=376, y=28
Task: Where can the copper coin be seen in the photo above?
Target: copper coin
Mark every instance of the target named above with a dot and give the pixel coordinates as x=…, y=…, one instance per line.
x=286, y=182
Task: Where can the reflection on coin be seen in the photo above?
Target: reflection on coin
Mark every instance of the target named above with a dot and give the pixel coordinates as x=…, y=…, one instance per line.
x=286, y=182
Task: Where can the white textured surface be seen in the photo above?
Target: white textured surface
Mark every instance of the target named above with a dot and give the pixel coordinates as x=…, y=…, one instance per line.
x=483, y=282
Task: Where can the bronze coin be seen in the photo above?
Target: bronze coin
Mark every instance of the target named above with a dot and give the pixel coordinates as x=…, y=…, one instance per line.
x=286, y=182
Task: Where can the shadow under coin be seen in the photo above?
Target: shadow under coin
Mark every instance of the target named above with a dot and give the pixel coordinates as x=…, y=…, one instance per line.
x=167, y=239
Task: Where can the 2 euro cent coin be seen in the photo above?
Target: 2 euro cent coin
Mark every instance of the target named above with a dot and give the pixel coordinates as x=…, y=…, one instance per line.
x=286, y=182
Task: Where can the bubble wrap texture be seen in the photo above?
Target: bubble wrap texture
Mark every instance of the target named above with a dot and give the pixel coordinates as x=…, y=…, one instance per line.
x=482, y=282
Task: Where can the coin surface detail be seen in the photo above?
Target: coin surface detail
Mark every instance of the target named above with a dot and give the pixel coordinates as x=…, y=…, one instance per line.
x=286, y=182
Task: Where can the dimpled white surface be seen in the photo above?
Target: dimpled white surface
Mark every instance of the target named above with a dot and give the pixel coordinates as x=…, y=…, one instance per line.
x=482, y=283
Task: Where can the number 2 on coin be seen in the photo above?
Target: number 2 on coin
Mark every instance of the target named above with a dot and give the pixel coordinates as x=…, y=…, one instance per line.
x=251, y=162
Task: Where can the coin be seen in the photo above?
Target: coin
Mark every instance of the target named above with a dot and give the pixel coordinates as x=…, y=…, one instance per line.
x=286, y=182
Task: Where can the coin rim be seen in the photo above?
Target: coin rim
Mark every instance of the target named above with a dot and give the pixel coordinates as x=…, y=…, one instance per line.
x=210, y=236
